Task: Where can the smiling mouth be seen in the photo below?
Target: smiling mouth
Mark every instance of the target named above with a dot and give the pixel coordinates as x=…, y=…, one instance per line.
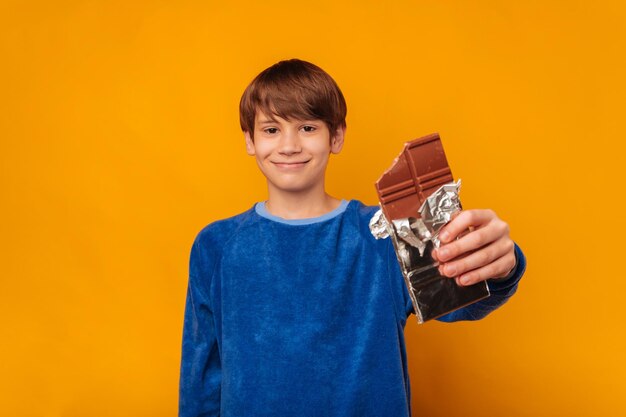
x=290, y=164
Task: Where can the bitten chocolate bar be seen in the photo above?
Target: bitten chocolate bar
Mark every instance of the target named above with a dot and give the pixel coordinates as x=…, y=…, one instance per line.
x=418, y=196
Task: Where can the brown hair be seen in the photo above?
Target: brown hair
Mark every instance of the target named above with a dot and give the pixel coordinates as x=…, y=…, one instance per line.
x=293, y=89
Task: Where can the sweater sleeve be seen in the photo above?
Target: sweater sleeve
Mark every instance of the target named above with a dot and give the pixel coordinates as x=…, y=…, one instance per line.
x=200, y=373
x=501, y=291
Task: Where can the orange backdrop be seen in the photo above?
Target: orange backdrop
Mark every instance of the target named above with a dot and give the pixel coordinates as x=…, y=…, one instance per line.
x=120, y=140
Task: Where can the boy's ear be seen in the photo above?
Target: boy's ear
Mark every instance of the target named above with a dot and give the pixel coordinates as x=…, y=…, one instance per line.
x=249, y=144
x=336, y=143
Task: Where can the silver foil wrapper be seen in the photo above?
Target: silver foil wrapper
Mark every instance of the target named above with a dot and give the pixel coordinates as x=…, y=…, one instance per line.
x=414, y=238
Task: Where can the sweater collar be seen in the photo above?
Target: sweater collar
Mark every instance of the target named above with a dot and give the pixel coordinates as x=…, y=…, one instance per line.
x=262, y=211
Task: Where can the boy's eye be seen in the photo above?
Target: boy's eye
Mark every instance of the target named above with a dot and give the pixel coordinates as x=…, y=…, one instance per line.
x=308, y=128
x=270, y=130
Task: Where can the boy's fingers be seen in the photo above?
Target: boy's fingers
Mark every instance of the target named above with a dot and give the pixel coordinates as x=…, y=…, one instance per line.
x=496, y=269
x=470, y=242
x=478, y=258
x=463, y=221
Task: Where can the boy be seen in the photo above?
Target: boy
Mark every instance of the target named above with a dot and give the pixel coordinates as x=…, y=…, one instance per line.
x=293, y=308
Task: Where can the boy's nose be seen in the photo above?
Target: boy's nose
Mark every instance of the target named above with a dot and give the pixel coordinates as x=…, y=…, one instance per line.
x=289, y=143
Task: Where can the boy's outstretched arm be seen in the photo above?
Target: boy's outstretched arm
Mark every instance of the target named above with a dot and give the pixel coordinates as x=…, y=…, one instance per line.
x=486, y=252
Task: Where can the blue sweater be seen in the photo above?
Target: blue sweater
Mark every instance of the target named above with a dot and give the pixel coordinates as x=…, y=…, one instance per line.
x=300, y=318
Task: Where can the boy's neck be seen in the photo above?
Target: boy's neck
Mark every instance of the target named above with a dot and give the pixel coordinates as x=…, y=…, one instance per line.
x=303, y=205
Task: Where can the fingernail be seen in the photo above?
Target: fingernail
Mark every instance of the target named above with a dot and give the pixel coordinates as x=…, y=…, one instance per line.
x=464, y=280
x=450, y=270
x=443, y=252
x=444, y=236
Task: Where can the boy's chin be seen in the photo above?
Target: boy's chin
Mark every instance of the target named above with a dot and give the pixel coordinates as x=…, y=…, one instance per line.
x=290, y=187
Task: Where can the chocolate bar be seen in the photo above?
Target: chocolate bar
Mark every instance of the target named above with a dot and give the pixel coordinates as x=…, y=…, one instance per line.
x=418, y=171
x=417, y=197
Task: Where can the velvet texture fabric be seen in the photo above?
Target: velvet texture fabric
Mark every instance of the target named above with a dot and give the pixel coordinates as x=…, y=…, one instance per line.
x=300, y=318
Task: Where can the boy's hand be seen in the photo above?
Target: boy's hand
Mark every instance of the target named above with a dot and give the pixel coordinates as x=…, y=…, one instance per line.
x=483, y=252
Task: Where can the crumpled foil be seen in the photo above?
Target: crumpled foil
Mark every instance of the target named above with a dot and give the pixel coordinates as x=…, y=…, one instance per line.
x=435, y=212
x=439, y=208
x=379, y=226
x=414, y=238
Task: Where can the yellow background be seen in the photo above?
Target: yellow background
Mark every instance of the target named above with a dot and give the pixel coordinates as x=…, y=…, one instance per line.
x=120, y=140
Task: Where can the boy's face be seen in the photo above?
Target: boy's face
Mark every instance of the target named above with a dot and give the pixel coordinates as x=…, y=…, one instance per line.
x=292, y=154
